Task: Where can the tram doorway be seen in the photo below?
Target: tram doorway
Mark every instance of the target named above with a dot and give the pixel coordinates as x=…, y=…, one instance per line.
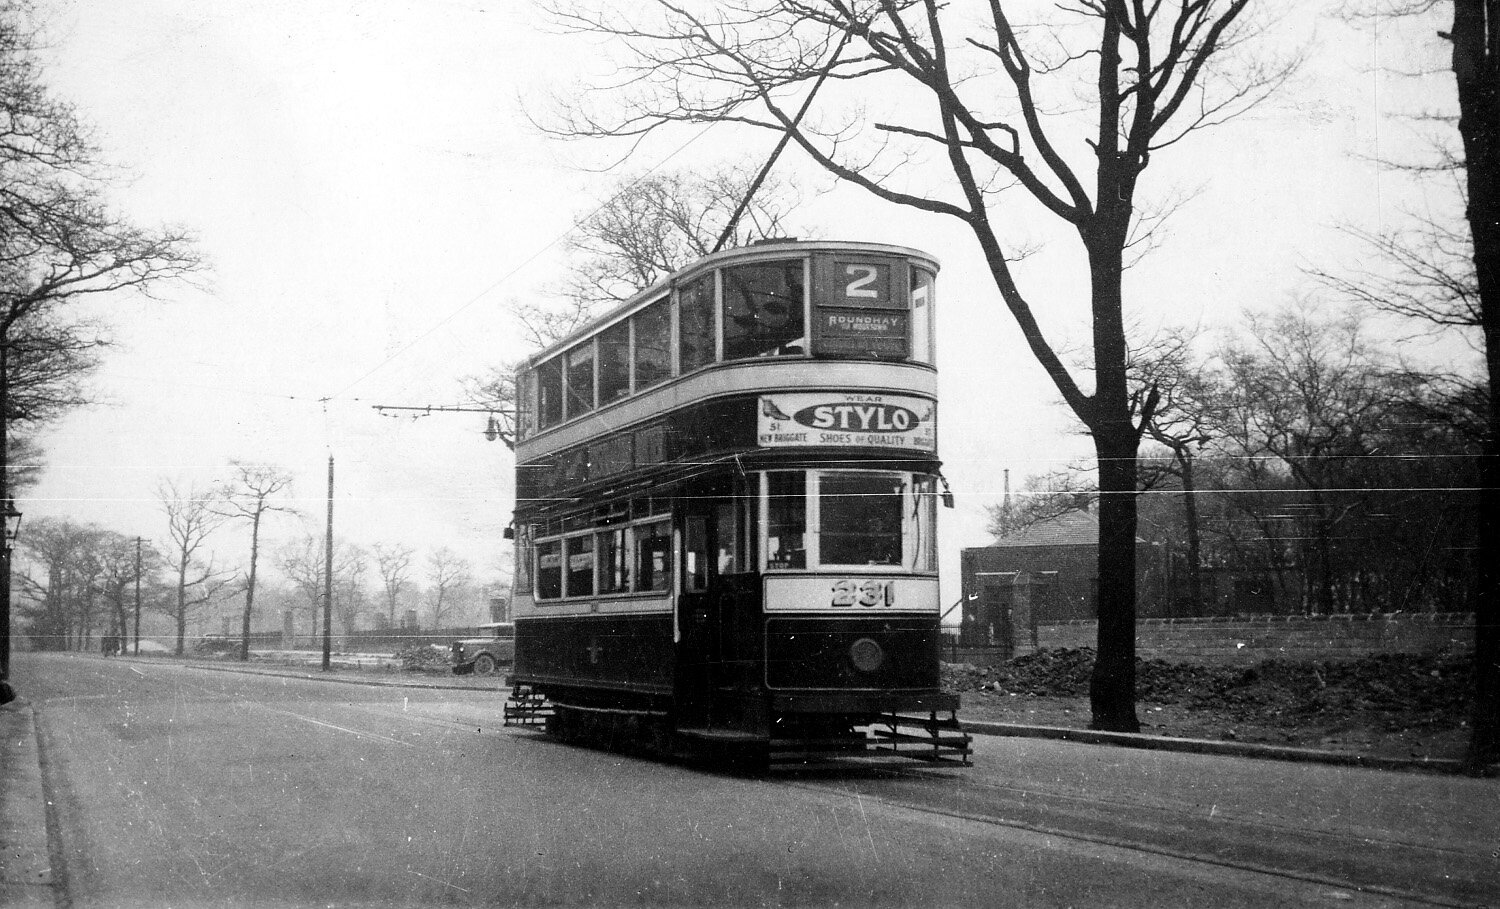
x=718, y=610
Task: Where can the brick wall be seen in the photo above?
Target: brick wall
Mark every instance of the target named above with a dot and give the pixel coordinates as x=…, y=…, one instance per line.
x=1255, y=638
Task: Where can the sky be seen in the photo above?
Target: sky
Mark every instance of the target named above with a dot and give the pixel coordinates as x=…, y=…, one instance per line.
x=365, y=180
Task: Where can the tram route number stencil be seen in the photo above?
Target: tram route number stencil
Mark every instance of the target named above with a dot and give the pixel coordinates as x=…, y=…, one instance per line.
x=868, y=593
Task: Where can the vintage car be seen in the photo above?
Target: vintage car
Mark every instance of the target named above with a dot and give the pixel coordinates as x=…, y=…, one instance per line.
x=483, y=655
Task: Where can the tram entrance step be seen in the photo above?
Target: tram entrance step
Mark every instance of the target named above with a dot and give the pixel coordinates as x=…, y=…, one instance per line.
x=727, y=736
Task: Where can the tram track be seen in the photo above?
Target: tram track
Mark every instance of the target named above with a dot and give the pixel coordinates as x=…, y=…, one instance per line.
x=1179, y=827
x=1226, y=841
x=1361, y=862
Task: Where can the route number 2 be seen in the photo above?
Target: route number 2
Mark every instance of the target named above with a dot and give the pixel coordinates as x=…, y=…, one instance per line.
x=868, y=593
x=861, y=282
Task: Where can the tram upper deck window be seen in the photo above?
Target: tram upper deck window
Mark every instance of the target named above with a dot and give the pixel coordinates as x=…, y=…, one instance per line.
x=695, y=307
x=653, y=344
x=580, y=379
x=549, y=389
x=614, y=362
x=763, y=311
x=860, y=521
x=526, y=404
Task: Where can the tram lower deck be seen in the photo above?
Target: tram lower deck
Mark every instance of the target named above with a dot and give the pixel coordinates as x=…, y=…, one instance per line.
x=787, y=611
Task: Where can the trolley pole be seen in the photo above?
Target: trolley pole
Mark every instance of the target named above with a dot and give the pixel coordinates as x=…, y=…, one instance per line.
x=328, y=578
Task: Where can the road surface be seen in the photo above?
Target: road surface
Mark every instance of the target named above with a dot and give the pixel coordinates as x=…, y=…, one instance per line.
x=179, y=786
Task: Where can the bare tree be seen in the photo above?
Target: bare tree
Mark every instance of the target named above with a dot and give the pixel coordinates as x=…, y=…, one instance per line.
x=1476, y=68
x=997, y=112
x=650, y=226
x=192, y=516
x=1309, y=391
x=1186, y=419
x=1428, y=286
x=394, y=565
x=448, y=576
x=350, y=597
x=248, y=498
x=60, y=244
x=304, y=564
x=126, y=562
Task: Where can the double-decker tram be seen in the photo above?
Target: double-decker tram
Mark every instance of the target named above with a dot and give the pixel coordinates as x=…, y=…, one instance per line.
x=727, y=495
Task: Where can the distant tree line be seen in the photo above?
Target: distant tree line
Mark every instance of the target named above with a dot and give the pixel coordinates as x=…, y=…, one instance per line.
x=1303, y=460
x=79, y=583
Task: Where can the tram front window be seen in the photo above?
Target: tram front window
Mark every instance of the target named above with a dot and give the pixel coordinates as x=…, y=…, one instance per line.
x=763, y=310
x=860, y=520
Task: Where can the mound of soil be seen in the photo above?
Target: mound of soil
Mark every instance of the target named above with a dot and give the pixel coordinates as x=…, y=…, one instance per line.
x=1400, y=705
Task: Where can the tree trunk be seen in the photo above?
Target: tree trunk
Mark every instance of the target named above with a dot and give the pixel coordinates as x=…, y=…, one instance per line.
x=1190, y=513
x=181, y=606
x=250, y=589
x=1116, y=440
x=1476, y=67
x=1112, y=688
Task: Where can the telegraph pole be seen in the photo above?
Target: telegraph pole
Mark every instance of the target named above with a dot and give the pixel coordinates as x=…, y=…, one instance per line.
x=328, y=577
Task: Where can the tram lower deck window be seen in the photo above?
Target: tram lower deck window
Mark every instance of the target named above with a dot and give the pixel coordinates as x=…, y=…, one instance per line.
x=653, y=555
x=549, y=576
x=786, y=520
x=580, y=557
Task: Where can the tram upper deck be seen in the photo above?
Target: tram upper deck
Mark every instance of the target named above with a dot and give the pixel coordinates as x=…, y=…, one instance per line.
x=779, y=347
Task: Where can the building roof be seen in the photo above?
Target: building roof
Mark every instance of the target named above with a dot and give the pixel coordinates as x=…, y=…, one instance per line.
x=1071, y=528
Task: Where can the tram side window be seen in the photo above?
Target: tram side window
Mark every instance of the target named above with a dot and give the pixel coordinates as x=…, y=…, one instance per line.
x=653, y=344
x=549, y=387
x=614, y=363
x=922, y=287
x=860, y=520
x=549, y=574
x=580, y=557
x=524, y=556
x=695, y=304
x=653, y=556
x=580, y=379
x=525, y=404
x=786, y=524
x=763, y=310
x=614, y=561
x=695, y=553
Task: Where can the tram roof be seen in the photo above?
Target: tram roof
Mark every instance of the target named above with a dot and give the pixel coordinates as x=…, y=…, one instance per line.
x=774, y=248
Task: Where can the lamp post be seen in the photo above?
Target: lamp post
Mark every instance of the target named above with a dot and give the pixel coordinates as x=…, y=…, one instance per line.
x=12, y=530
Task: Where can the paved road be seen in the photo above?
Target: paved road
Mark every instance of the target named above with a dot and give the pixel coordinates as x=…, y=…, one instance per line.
x=176, y=786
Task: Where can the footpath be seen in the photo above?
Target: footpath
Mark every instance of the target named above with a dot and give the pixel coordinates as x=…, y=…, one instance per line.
x=25, y=865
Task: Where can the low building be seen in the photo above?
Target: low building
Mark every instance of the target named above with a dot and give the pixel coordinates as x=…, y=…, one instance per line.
x=1039, y=575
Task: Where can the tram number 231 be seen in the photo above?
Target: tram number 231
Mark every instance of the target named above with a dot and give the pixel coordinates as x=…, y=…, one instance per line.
x=868, y=593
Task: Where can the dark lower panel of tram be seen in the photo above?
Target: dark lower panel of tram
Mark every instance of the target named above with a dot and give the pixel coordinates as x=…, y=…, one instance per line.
x=798, y=686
